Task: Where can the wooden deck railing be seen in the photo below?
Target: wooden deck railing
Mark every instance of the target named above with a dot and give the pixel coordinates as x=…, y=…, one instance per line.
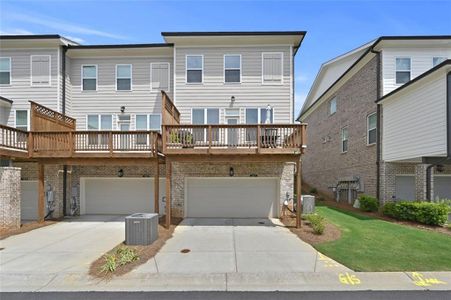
x=261, y=138
x=46, y=119
x=12, y=138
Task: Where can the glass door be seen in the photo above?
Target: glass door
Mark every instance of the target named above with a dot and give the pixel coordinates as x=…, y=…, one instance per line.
x=232, y=133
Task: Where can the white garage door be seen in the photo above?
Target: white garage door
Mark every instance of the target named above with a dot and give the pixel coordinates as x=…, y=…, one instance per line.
x=29, y=200
x=405, y=187
x=231, y=197
x=118, y=195
x=442, y=187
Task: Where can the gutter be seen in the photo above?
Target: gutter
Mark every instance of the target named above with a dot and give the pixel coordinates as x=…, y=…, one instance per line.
x=63, y=69
x=378, y=121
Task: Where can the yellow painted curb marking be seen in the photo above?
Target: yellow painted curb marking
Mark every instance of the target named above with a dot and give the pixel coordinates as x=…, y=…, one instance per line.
x=420, y=280
x=327, y=261
x=348, y=279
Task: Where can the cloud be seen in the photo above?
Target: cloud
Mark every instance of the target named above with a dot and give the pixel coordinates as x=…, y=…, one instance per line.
x=15, y=31
x=62, y=26
x=301, y=78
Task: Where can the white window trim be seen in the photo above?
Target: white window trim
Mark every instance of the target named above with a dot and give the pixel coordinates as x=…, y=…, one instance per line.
x=186, y=69
x=368, y=129
x=28, y=117
x=329, y=106
x=169, y=76
x=259, y=115
x=432, y=60
x=342, y=140
x=100, y=123
x=281, y=68
x=31, y=71
x=97, y=77
x=224, y=69
x=131, y=77
x=396, y=69
x=147, y=121
x=10, y=71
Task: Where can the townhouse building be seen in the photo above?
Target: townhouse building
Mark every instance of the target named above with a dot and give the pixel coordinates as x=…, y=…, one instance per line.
x=377, y=119
x=200, y=125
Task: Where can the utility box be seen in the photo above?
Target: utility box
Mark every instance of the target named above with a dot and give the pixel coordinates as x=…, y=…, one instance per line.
x=141, y=229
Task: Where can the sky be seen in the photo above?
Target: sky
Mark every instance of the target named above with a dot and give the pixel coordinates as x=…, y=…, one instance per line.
x=333, y=27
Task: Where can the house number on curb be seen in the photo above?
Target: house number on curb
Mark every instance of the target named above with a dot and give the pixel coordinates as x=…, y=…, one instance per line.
x=420, y=280
x=348, y=279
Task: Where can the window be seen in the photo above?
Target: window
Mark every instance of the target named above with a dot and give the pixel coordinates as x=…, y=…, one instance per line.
x=232, y=68
x=371, y=128
x=403, y=67
x=332, y=106
x=159, y=76
x=257, y=116
x=272, y=68
x=147, y=122
x=205, y=116
x=99, y=122
x=89, y=78
x=123, y=77
x=437, y=60
x=40, y=70
x=194, y=68
x=5, y=70
x=344, y=140
x=22, y=119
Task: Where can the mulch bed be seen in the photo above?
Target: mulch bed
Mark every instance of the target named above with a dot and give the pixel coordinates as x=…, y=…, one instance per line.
x=5, y=233
x=305, y=233
x=144, y=252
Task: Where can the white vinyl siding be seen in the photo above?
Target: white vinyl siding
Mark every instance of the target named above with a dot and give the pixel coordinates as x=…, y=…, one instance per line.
x=344, y=140
x=124, y=77
x=371, y=126
x=40, y=70
x=89, y=77
x=414, y=121
x=437, y=60
x=194, y=68
x=5, y=70
x=421, y=61
x=232, y=68
x=22, y=120
x=159, y=76
x=106, y=99
x=249, y=93
x=272, y=68
x=403, y=70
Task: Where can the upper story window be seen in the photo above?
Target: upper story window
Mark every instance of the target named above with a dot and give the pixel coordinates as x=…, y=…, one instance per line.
x=22, y=119
x=232, y=68
x=5, y=70
x=123, y=77
x=437, y=60
x=148, y=122
x=333, y=106
x=194, y=68
x=272, y=68
x=259, y=116
x=159, y=76
x=371, y=129
x=344, y=139
x=89, y=77
x=403, y=70
x=40, y=70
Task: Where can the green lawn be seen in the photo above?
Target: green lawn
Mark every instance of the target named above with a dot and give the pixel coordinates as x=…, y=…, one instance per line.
x=369, y=244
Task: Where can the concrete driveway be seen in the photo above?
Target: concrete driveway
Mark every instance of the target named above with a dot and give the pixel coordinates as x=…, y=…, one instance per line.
x=68, y=246
x=236, y=245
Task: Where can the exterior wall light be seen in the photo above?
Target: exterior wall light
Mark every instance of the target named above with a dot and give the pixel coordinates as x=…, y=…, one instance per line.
x=232, y=99
x=122, y=109
x=120, y=173
x=231, y=172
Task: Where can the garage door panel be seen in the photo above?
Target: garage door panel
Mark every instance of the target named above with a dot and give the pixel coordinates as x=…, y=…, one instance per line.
x=231, y=197
x=120, y=195
x=442, y=187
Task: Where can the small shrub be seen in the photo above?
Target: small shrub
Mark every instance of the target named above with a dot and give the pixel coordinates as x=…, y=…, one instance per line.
x=422, y=212
x=126, y=255
x=313, y=190
x=110, y=264
x=317, y=222
x=368, y=203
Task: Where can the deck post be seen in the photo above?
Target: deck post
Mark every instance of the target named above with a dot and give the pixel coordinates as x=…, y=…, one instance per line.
x=298, y=194
x=157, y=188
x=168, y=193
x=41, y=193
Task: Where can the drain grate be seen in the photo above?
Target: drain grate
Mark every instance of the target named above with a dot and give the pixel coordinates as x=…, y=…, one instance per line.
x=185, y=250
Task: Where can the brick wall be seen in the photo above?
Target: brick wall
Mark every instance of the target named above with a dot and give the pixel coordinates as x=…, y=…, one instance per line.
x=324, y=164
x=9, y=198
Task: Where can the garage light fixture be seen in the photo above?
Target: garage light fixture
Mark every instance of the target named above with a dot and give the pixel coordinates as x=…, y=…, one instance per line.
x=120, y=173
x=231, y=172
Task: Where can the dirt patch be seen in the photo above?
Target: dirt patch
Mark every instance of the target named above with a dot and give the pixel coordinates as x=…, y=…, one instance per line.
x=305, y=233
x=144, y=252
x=4, y=233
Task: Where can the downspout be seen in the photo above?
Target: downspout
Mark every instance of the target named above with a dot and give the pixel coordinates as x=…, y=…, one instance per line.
x=63, y=68
x=378, y=121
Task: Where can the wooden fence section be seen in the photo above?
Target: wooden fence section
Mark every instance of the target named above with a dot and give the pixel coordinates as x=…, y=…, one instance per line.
x=170, y=113
x=231, y=139
x=45, y=119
